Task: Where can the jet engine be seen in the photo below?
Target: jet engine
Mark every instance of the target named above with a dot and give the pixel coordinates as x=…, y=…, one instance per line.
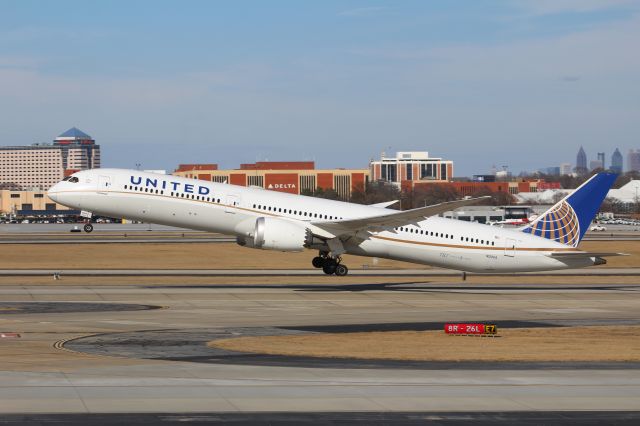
x=278, y=234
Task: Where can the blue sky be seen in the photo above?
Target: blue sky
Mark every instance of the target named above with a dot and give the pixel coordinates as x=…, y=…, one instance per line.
x=508, y=82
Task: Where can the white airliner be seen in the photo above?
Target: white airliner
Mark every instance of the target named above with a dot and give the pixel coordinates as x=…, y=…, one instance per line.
x=269, y=220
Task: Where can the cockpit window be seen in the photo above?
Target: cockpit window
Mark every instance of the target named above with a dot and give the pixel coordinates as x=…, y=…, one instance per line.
x=72, y=179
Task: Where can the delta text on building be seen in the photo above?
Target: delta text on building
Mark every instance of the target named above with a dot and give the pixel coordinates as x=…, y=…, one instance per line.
x=294, y=177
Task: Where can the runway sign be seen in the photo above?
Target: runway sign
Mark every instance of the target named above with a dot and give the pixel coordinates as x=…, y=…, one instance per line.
x=470, y=329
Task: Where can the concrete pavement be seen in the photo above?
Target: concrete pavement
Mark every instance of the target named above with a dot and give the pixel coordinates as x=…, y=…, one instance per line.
x=38, y=375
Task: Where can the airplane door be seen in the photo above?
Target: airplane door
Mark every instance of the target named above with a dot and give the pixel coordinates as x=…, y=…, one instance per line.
x=231, y=204
x=510, y=248
x=104, y=184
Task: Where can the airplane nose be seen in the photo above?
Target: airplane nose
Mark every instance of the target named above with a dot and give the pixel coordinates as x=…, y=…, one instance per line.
x=52, y=193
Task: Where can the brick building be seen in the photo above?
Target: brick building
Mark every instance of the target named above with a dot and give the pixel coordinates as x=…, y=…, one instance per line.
x=295, y=177
x=470, y=188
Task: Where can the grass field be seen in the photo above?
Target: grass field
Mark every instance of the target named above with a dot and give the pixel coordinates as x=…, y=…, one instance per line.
x=216, y=256
x=606, y=343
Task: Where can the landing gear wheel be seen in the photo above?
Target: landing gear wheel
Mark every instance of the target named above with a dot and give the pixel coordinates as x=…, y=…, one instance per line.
x=88, y=227
x=329, y=267
x=317, y=262
x=341, y=270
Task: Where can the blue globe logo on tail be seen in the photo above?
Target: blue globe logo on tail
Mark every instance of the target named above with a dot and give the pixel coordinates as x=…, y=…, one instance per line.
x=560, y=224
x=568, y=220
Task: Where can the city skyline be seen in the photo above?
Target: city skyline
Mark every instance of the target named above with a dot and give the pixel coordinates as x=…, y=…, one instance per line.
x=505, y=82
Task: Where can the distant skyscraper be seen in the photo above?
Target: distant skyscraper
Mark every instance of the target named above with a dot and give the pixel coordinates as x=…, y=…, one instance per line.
x=616, y=161
x=565, y=168
x=581, y=162
x=633, y=160
x=601, y=159
x=595, y=164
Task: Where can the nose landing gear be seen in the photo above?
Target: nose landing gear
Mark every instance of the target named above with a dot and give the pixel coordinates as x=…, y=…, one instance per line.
x=330, y=265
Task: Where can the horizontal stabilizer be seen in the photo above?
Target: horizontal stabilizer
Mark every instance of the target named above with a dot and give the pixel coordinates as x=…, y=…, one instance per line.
x=580, y=254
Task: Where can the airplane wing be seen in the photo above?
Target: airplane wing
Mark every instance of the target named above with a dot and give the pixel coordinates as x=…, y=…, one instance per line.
x=391, y=220
x=385, y=204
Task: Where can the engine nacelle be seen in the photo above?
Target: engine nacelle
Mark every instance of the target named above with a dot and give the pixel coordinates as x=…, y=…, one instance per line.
x=277, y=234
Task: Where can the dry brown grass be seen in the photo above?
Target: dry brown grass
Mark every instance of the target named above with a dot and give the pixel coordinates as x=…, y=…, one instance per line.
x=629, y=247
x=215, y=256
x=606, y=343
x=164, y=256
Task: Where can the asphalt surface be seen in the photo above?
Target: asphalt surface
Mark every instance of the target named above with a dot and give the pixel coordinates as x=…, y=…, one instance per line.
x=294, y=419
x=42, y=373
x=22, y=308
x=191, y=345
x=584, y=272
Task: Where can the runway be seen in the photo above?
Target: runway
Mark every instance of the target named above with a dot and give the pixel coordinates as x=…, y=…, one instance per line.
x=43, y=372
x=364, y=272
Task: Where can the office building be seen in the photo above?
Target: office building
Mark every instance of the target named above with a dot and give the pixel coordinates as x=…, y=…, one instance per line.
x=411, y=166
x=294, y=177
x=616, y=161
x=633, y=160
x=581, y=162
x=43, y=165
x=565, y=169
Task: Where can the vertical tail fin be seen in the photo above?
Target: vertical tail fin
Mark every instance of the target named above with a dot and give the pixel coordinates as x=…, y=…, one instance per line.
x=568, y=220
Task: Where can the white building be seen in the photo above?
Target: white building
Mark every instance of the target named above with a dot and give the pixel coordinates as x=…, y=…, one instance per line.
x=411, y=166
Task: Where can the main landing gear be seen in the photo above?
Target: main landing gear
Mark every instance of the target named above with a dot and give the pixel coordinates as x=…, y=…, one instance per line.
x=330, y=265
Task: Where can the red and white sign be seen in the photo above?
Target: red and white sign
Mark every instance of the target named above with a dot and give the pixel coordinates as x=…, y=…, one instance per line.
x=469, y=328
x=9, y=335
x=283, y=182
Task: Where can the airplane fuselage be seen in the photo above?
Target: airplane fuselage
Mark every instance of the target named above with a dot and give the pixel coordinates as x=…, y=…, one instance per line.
x=234, y=210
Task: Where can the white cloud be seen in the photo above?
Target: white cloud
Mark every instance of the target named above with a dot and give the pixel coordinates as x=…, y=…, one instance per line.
x=551, y=7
